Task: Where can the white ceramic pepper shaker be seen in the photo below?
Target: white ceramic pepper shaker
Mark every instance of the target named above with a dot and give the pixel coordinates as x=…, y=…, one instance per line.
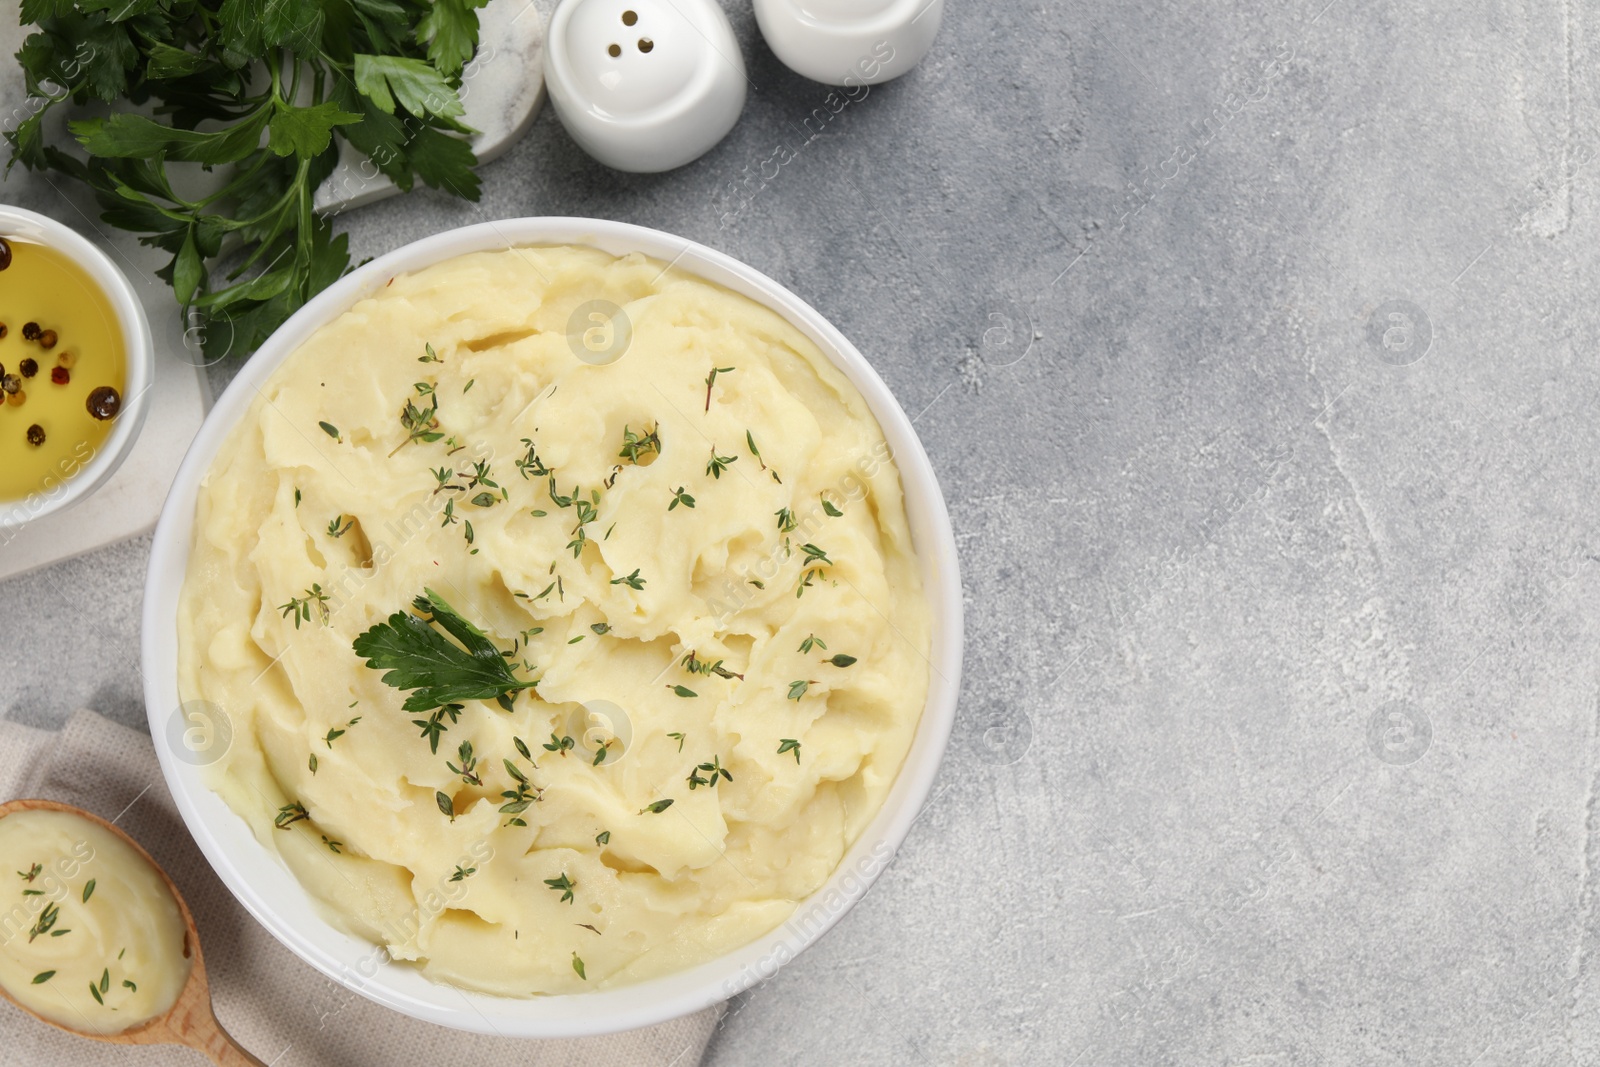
x=644, y=85
x=849, y=42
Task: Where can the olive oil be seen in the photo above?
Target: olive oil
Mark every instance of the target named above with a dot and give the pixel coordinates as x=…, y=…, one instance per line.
x=61, y=350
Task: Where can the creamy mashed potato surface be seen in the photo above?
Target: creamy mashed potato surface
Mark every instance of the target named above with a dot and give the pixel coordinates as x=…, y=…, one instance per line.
x=93, y=938
x=655, y=499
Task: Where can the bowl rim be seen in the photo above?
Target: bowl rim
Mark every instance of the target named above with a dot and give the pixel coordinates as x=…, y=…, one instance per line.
x=260, y=880
x=140, y=371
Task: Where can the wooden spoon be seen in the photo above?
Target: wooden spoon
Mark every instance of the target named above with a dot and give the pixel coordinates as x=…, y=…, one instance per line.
x=190, y=1021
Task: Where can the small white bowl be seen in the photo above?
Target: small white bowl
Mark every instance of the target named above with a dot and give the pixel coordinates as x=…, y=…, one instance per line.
x=64, y=492
x=270, y=892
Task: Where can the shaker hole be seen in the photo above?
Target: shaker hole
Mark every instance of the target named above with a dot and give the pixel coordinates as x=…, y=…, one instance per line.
x=630, y=17
x=646, y=44
x=614, y=51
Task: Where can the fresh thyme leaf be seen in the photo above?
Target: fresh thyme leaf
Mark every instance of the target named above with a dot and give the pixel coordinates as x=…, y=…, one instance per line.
x=299, y=607
x=420, y=424
x=679, y=736
x=47, y=919
x=632, y=581
x=636, y=446
x=786, y=522
x=754, y=451
x=129, y=984
x=711, y=379
x=841, y=660
x=446, y=805
x=331, y=430
x=797, y=689
x=433, y=725
x=290, y=814
x=340, y=525
x=467, y=770
x=789, y=744
x=335, y=847
x=714, y=771
x=657, y=808
x=94, y=991
x=530, y=465
x=680, y=497
x=31, y=873
x=418, y=657
x=683, y=691
x=105, y=980
x=463, y=873
x=565, y=885
x=829, y=508
x=717, y=464
x=43, y=977
x=88, y=889
x=812, y=640
x=577, y=964
x=562, y=745
x=603, y=837
x=815, y=554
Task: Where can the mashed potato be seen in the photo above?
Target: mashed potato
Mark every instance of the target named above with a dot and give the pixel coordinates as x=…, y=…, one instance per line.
x=93, y=938
x=654, y=500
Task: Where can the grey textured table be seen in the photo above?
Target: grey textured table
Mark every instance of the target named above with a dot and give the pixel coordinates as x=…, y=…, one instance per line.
x=1255, y=346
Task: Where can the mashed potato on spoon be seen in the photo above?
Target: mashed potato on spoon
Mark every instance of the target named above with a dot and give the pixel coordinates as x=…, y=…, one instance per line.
x=565, y=611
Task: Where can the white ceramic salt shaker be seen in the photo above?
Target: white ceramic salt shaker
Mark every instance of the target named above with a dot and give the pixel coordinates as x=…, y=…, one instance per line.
x=849, y=42
x=644, y=85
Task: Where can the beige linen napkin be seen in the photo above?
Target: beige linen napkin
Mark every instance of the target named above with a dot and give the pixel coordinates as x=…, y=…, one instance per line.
x=276, y=1006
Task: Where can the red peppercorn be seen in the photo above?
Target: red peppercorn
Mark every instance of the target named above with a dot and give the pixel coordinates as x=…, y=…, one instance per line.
x=60, y=375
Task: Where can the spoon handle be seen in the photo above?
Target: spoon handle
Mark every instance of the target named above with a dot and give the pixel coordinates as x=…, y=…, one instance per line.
x=220, y=1047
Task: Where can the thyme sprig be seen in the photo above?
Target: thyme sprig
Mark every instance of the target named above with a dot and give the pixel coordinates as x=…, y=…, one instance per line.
x=299, y=608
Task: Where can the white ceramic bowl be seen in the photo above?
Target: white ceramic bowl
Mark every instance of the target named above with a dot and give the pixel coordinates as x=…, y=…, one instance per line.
x=63, y=493
x=267, y=888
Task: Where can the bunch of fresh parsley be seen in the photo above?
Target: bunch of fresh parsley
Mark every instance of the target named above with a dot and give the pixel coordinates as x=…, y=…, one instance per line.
x=259, y=90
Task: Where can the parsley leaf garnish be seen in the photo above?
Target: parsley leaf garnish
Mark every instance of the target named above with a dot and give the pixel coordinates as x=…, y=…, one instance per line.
x=439, y=671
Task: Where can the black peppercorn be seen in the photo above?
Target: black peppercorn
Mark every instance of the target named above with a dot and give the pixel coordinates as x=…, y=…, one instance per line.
x=2, y=331
x=28, y=367
x=5, y=253
x=36, y=435
x=104, y=403
x=30, y=330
